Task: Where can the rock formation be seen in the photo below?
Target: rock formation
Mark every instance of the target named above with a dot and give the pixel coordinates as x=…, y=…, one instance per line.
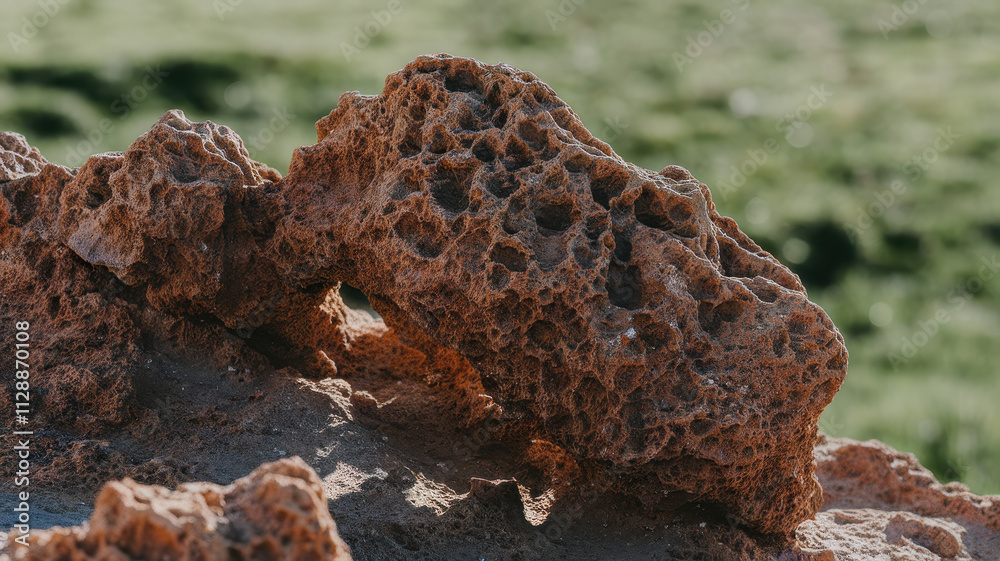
x=609, y=307
x=277, y=512
x=644, y=332
x=606, y=314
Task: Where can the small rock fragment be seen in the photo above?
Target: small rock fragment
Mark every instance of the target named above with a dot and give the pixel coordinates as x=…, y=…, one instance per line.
x=277, y=512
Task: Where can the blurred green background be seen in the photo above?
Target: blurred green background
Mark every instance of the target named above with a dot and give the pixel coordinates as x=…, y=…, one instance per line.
x=857, y=141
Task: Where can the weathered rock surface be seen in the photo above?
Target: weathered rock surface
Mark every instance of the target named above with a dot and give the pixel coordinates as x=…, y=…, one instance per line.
x=277, y=512
x=882, y=504
x=75, y=309
x=18, y=158
x=181, y=212
x=608, y=305
x=646, y=333
x=872, y=475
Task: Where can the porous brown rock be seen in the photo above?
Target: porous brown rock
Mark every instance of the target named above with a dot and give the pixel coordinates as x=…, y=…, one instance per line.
x=181, y=212
x=609, y=309
x=73, y=308
x=277, y=512
x=646, y=333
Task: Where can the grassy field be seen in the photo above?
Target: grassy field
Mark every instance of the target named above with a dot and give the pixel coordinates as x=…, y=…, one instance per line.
x=857, y=141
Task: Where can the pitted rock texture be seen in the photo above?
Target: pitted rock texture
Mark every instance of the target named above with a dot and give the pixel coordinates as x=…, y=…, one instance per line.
x=608, y=308
x=614, y=305
x=182, y=212
x=277, y=512
x=72, y=307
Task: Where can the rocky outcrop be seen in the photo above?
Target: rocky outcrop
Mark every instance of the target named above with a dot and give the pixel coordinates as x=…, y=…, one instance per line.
x=609, y=309
x=182, y=213
x=277, y=512
x=872, y=475
x=603, y=313
x=881, y=502
x=613, y=305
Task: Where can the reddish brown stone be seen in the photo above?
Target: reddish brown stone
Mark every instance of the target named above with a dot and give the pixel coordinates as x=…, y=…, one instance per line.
x=872, y=475
x=180, y=212
x=607, y=307
x=881, y=503
x=277, y=512
x=648, y=334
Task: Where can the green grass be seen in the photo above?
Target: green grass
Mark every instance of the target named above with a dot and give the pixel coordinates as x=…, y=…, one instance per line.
x=614, y=64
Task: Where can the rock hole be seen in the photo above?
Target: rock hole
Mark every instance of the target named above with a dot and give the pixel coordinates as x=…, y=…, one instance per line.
x=451, y=195
x=686, y=393
x=53, y=305
x=712, y=317
x=469, y=121
x=440, y=141
x=607, y=181
x=535, y=137
x=837, y=362
x=545, y=334
x=500, y=118
x=97, y=195
x=623, y=247
x=184, y=172
x=502, y=186
x=624, y=287
x=554, y=218
x=701, y=426
x=798, y=325
x=577, y=162
x=584, y=256
x=510, y=257
x=422, y=237
x=499, y=277
x=516, y=154
x=417, y=112
x=485, y=149
x=596, y=225
x=649, y=211
x=461, y=81
x=779, y=344
x=355, y=299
